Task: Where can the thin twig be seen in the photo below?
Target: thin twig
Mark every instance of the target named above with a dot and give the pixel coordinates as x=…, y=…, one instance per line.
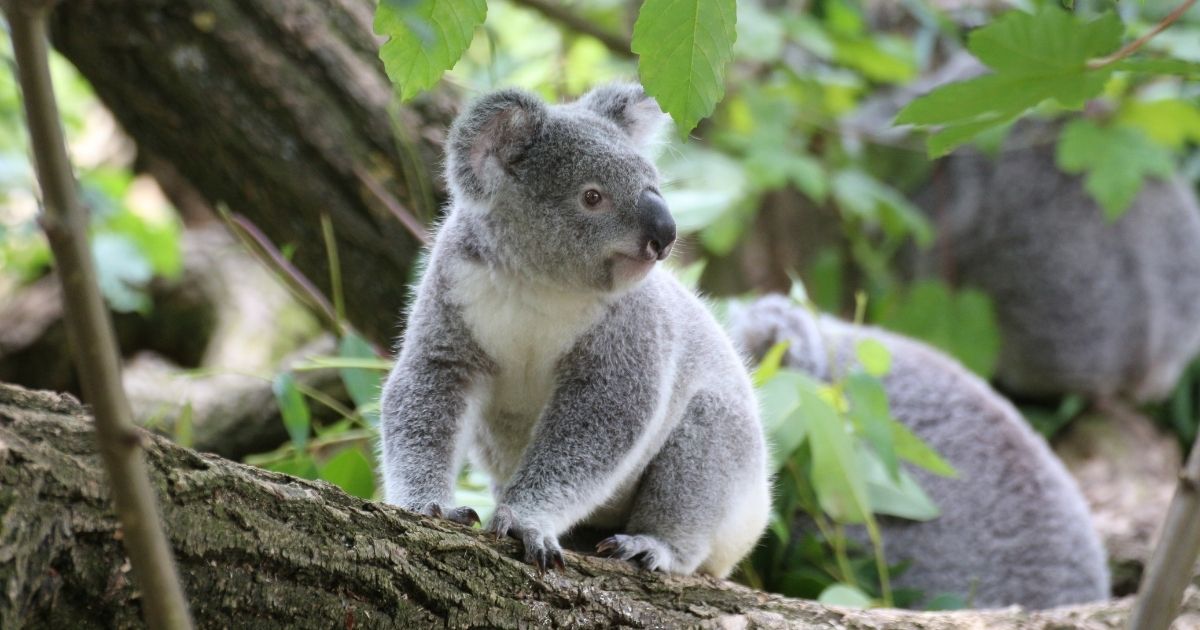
x=618, y=44
x=1171, y=565
x=335, y=267
x=1132, y=47
x=89, y=330
x=299, y=284
x=393, y=205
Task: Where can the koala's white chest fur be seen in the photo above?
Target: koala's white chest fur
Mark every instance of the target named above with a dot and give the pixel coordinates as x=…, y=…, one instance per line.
x=525, y=329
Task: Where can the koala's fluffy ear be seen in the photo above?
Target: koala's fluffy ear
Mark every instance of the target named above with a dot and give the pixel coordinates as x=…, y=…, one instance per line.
x=489, y=137
x=634, y=111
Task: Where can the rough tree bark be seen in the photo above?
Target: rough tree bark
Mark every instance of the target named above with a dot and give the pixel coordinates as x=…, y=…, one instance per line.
x=279, y=109
x=264, y=550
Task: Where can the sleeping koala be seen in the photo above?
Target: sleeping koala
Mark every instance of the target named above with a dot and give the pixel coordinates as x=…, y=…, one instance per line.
x=547, y=345
x=1014, y=528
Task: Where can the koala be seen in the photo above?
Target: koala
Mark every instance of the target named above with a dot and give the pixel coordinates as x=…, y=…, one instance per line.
x=1084, y=304
x=1014, y=528
x=547, y=345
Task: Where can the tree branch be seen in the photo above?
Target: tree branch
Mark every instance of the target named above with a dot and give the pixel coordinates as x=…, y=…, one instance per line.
x=1133, y=46
x=618, y=44
x=1171, y=567
x=88, y=327
x=265, y=550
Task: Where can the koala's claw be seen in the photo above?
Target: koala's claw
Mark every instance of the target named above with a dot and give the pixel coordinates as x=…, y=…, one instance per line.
x=462, y=515
x=541, y=549
x=646, y=551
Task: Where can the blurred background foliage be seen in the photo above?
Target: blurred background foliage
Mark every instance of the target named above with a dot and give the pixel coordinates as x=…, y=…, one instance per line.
x=794, y=184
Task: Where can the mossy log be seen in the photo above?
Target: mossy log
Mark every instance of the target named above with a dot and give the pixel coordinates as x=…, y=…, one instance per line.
x=264, y=550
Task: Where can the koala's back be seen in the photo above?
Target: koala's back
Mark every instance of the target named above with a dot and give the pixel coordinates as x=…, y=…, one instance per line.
x=1014, y=528
x=1084, y=304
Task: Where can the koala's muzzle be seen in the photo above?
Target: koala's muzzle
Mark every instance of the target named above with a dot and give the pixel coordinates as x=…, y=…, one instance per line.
x=658, y=227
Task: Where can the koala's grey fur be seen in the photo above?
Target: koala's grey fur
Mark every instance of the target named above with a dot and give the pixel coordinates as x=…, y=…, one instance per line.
x=543, y=344
x=1014, y=528
x=1084, y=304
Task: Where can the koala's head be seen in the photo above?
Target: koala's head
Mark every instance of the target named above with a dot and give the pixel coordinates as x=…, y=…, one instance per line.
x=563, y=193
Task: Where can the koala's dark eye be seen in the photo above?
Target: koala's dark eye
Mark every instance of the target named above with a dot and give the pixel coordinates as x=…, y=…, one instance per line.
x=592, y=197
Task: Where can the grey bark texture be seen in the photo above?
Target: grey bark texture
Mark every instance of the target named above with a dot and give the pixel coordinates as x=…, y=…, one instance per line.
x=258, y=549
x=279, y=109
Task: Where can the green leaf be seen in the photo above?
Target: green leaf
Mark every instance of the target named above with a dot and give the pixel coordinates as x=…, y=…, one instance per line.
x=845, y=595
x=301, y=465
x=683, y=47
x=184, y=427
x=875, y=358
x=1052, y=42
x=840, y=489
x=869, y=411
x=961, y=323
x=1035, y=58
x=947, y=601
x=895, y=494
x=351, y=471
x=361, y=383
x=870, y=199
x=1115, y=159
x=770, y=364
x=705, y=186
x=782, y=419
x=1170, y=122
x=293, y=408
x=425, y=39
x=1190, y=69
x=914, y=450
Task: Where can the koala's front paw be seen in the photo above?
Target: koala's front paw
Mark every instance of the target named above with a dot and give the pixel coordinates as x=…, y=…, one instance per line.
x=541, y=545
x=462, y=515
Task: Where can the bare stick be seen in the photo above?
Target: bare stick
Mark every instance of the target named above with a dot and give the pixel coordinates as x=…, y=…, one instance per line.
x=1132, y=47
x=88, y=328
x=1170, y=568
x=555, y=11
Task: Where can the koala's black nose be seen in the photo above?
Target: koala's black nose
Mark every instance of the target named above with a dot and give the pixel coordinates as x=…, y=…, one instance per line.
x=658, y=228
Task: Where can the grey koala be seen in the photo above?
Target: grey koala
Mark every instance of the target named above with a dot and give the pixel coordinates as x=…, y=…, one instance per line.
x=1084, y=304
x=1014, y=528
x=547, y=345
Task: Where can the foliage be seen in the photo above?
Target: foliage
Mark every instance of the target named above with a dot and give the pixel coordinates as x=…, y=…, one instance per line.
x=425, y=39
x=837, y=451
x=683, y=47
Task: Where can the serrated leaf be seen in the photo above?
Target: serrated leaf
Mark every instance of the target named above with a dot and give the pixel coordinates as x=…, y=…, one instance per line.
x=683, y=47
x=1116, y=160
x=1053, y=41
x=351, y=471
x=293, y=409
x=425, y=39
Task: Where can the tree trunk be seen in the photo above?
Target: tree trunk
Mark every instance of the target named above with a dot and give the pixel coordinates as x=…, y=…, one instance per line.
x=280, y=110
x=264, y=550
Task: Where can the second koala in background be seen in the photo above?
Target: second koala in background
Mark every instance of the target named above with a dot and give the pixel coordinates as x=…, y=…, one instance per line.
x=1085, y=305
x=1014, y=528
